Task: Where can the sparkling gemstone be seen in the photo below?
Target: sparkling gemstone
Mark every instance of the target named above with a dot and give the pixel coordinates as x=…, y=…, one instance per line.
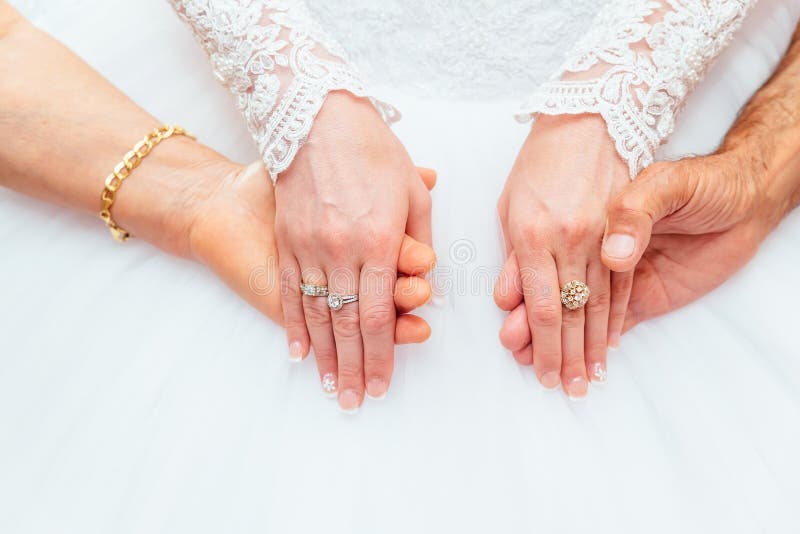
x=334, y=301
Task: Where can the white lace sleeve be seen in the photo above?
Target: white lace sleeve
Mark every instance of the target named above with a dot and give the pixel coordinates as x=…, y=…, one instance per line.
x=635, y=67
x=279, y=65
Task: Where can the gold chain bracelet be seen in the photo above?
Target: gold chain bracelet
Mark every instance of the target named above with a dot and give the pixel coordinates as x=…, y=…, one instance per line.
x=130, y=161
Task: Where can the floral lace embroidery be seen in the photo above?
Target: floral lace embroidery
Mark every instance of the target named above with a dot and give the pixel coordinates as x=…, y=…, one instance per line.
x=649, y=54
x=278, y=63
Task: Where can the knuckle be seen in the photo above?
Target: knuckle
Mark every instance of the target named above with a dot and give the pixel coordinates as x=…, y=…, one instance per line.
x=377, y=317
x=616, y=316
x=380, y=238
x=627, y=207
x=331, y=240
x=291, y=292
x=350, y=372
x=324, y=355
x=576, y=231
x=598, y=302
x=379, y=362
x=316, y=313
x=546, y=314
x=530, y=233
x=573, y=320
x=347, y=324
x=595, y=351
x=547, y=360
x=621, y=287
x=293, y=324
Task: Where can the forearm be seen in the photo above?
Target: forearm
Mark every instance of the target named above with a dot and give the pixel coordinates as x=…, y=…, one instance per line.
x=64, y=128
x=765, y=140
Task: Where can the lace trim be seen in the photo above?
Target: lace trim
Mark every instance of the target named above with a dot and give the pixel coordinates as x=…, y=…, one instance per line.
x=279, y=64
x=654, y=53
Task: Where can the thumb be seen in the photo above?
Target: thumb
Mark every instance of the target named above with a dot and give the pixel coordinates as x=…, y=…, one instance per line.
x=658, y=192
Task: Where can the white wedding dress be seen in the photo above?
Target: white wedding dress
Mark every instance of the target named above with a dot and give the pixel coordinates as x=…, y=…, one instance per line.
x=138, y=394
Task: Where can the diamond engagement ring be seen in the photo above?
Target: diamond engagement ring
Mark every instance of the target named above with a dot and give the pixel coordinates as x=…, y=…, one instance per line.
x=574, y=295
x=311, y=290
x=335, y=302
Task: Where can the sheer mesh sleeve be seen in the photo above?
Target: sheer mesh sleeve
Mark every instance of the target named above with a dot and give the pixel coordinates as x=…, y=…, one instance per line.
x=279, y=65
x=636, y=66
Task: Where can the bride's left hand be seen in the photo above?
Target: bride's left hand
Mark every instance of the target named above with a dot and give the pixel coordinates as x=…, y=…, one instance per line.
x=553, y=213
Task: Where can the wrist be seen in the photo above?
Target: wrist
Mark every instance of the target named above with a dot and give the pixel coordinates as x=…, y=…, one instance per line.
x=346, y=120
x=163, y=196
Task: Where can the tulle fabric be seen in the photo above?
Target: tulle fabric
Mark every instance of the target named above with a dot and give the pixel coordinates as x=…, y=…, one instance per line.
x=137, y=394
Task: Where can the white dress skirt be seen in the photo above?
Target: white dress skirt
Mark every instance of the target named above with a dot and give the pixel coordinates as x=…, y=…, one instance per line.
x=139, y=395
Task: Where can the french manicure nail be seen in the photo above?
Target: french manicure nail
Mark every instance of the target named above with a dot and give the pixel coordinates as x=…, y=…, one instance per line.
x=619, y=246
x=329, y=385
x=551, y=380
x=613, y=341
x=376, y=389
x=599, y=373
x=295, y=351
x=349, y=401
x=577, y=388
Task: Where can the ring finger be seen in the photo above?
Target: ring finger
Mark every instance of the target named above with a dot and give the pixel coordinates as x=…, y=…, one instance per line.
x=343, y=282
x=318, y=322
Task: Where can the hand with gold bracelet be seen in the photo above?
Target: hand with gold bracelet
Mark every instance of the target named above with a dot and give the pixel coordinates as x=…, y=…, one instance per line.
x=61, y=141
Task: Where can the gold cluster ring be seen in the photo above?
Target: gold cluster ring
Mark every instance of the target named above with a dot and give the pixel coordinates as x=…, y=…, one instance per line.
x=574, y=295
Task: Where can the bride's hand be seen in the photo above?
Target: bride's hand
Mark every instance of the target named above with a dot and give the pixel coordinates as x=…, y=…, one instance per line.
x=232, y=231
x=342, y=210
x=553, y=212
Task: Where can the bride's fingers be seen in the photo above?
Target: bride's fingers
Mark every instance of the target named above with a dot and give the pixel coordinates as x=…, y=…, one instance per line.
x=294, y=320
x=540, y=286
x=573, y=368
x=621, y=284
x=507, y=289
x=415, y=258
x=411, y=292
x=411, y=329
x=428, y=177
x=598, y=278
x=318, y=321
x=515, y=332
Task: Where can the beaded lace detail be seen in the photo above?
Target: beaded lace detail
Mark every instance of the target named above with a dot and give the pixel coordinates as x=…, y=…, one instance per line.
x=635, y=67
x=279, y=65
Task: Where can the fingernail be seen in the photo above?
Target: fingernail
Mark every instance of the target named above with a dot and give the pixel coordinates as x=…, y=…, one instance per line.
x=349, y=401
x=551, y=380
x=619, y=246
x=376, y=389
x=577, y=388
x=329, y=386
x=599, y=374
x=613, y=341
x=295, y=351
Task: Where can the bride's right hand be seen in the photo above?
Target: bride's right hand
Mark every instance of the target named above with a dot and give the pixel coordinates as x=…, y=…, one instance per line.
x=342, y=208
